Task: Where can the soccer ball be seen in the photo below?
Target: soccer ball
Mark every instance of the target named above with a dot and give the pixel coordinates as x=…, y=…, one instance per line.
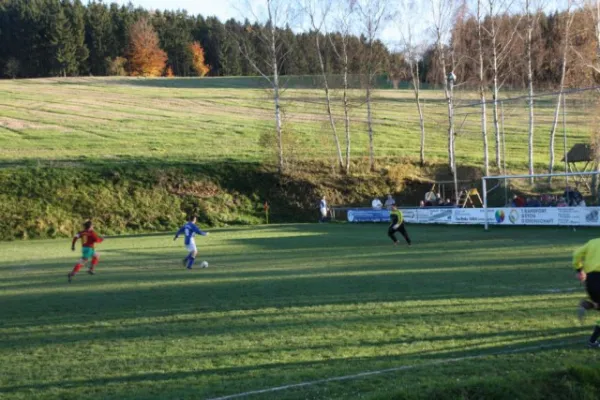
x=204, y=264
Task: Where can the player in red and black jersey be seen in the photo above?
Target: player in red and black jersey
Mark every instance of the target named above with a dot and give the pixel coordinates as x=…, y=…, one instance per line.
x=89, y=238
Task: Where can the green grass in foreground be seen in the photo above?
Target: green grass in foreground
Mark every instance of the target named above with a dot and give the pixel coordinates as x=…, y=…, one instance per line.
x=285, y=304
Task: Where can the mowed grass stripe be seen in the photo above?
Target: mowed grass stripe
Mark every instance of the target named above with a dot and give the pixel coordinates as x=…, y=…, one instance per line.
x=134, y=118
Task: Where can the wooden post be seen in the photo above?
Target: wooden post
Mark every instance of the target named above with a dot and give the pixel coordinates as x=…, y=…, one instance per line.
x=266, y=207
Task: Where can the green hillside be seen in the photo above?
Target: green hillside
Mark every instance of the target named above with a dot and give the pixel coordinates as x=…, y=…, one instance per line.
x=91, y=145
x=224, y=118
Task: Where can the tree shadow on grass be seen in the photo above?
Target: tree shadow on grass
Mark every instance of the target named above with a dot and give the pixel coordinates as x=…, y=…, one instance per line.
x=160, y=267
x=247, y=377
x=197, y=323
x=170, y=293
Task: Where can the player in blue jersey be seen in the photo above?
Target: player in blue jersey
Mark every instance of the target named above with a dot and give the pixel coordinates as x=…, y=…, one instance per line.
x=189, y=230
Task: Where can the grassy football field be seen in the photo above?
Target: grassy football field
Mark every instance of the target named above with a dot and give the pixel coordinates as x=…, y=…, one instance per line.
x=283, y=305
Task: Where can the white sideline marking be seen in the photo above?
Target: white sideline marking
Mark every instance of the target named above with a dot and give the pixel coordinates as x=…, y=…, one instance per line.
x=568, y=290
x=394, y=369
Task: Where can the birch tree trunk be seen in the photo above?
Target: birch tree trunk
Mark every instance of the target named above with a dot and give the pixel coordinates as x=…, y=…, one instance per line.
x=442, y=57
x=417, y=91
x=451, y=138
x=318, y=20
x=443, y=12
x=328, y=105
x=373, y=14
x=268, y=67
x=370, y=129
x=495, y=85
x=565, y=54
x=411, y=52
x=530, y=87
x=597, y=20
x=275, y=66
x=346, y=104
x=486, y=161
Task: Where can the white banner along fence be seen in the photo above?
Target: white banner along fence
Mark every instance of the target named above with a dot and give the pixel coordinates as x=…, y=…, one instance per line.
x=541, y=216
x=532, y=216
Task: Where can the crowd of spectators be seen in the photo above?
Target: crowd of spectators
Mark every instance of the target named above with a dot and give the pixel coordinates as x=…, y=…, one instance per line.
x=376, y=204
x=570, y=198
x=435, y=200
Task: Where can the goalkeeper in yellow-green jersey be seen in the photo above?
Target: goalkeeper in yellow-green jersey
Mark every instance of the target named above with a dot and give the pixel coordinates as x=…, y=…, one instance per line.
x=586, y=260
x=397, y=225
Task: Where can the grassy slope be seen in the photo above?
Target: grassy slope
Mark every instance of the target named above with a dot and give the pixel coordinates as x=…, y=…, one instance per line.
x=192, y=119
x=285, y=304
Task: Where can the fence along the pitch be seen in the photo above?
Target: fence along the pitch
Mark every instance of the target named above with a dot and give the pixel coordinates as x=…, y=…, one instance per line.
x=484, y=182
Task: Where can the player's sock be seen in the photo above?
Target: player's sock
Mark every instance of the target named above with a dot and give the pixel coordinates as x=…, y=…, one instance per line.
x=94, y=263
x=596, y=333
x=191, y=262
x=76, y=269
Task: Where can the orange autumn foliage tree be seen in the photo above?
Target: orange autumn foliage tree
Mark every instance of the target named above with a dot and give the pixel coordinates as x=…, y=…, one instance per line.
x=198, y=59
x=146, y=58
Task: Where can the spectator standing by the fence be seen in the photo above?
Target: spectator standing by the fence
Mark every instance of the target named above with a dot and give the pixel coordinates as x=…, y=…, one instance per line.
x=533, y=202
x=570, y=196
x=376, y=204
x=577, y=197
x=323, y=209
x=390, y=202
x=518, y=201
x=562, y=202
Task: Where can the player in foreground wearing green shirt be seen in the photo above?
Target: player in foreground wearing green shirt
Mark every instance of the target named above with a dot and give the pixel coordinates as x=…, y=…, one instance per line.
x=586, y=260
x=397, y=225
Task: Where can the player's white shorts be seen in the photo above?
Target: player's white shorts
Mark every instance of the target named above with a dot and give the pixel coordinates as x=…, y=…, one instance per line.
x=323, y=212
x=191, y=247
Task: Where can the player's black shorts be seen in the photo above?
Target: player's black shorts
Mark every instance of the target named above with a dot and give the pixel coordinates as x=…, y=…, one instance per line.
x=592, y=285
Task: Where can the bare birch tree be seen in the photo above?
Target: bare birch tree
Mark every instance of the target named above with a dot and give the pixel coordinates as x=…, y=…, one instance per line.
x=318, y=12
x=412, y=52
x=486, y=161
x=528, y=45
x=344, y=24
x=373, y=13
x=595, y=10
x=278, y=14
x=443, y=15
x=499, y=55
x=592, y=7
x=533, y=11
x=565, y=56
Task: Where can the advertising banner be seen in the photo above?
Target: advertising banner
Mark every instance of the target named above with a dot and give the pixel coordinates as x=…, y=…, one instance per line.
x=435, y=215
x=571, y=216
x=532, y=216
x=475, y=216
x=411, y=215
x=589, y=216
x=368, y=215
x=527, y=216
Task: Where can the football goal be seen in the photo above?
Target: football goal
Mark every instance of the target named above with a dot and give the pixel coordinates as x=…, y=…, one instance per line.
x=541, y=199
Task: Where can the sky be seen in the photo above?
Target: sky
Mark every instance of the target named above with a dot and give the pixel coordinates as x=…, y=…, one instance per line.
x=223, y=9
x=220, y=8
x=226, y=9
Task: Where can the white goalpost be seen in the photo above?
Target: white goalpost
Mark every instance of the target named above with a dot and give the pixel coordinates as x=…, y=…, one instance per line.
x=505, y=178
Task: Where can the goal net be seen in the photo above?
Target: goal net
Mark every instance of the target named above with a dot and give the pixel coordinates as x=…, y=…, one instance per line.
x=568, y=199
